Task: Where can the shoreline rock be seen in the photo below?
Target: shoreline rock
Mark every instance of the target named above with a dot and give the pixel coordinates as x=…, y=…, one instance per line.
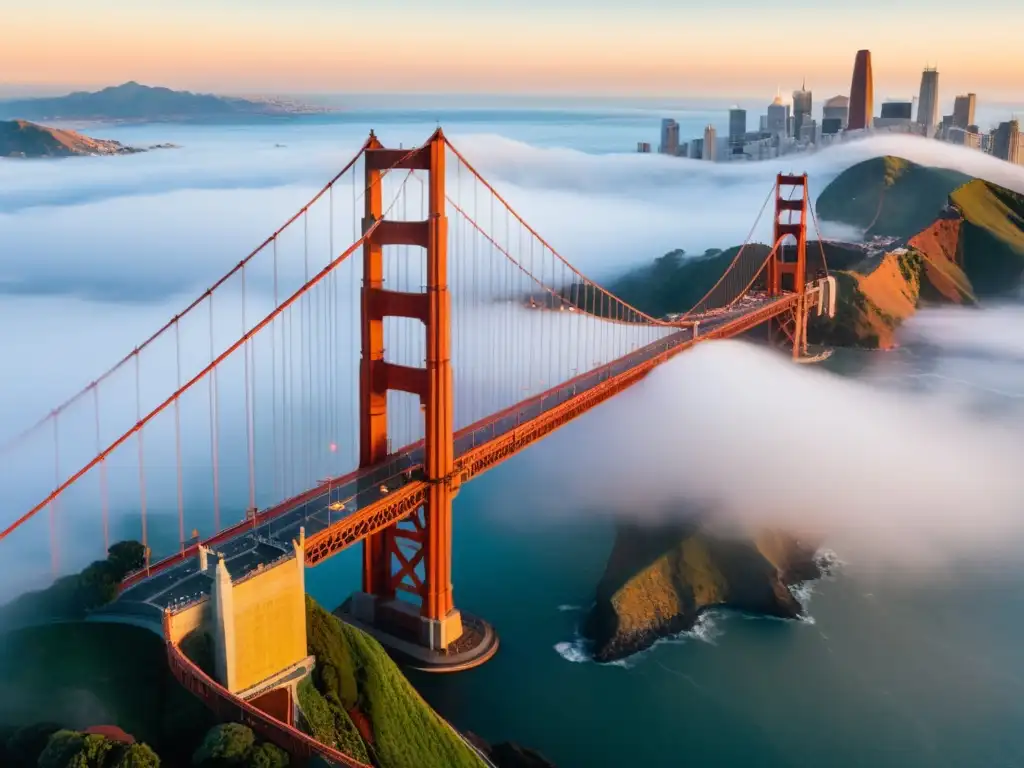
x=659, y=580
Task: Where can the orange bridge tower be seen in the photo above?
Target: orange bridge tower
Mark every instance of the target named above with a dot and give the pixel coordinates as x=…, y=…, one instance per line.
x=787, y=270
x=413, y=555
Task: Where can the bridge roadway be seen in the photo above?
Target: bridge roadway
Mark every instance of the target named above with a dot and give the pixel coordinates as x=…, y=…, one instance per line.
x=176, y=581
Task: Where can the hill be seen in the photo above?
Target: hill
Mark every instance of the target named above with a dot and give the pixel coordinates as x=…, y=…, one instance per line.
x=20, y=138
x=992, y=236
x=938, y=237
x=134, y=102
x=888, y=196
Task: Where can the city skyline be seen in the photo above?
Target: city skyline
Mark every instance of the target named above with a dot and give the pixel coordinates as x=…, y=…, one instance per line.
x=313, y=46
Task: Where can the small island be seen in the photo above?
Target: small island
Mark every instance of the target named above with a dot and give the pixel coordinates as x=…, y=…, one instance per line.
x=659, y=579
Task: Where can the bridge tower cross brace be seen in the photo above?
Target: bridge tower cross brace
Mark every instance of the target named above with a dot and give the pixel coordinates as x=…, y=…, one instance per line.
x=441, y=623
x=787, y=271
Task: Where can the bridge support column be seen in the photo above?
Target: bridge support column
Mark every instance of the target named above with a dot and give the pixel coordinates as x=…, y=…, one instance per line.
x=413, y=556
x=787, y=271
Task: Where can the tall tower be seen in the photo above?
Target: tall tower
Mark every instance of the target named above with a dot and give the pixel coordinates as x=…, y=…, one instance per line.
x=434, y=622
x=802, y=104
x=710, y=143
x=928, y=102
x=787, y=270
x=963, y=110
x=862, y=96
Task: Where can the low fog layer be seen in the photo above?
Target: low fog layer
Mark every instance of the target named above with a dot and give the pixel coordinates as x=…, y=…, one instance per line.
x=99, y=252
x=906, y=476
x=147, y=226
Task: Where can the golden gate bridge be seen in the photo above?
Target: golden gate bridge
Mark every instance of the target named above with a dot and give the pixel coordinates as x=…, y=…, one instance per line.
x=334, y=389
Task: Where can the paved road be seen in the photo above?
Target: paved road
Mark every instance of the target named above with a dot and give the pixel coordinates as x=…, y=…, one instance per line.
x=182, y=583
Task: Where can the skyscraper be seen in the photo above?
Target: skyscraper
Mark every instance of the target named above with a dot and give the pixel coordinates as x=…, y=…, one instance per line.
x=928, y=102
x=837, y=108
x=777, y=114
x=669, y=137
x=802, y=101
x=862, y=95
x=963, y=110
x=737, y=126
x=710, y=143
x=1006, y=142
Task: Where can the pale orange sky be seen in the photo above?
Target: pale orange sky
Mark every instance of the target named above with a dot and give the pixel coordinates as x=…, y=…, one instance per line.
x=644, y=47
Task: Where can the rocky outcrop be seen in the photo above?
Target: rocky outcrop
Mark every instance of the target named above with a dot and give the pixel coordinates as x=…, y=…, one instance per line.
x=508, y=754
x=658, y=580
x=20, y=138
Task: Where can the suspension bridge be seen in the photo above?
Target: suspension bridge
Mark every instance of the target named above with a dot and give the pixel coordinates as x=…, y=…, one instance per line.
x=403, y=332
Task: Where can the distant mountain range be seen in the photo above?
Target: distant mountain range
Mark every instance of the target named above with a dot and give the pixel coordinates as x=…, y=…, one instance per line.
x=132, y=102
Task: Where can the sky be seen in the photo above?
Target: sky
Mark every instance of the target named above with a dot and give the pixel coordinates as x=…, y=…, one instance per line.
x=641, y=48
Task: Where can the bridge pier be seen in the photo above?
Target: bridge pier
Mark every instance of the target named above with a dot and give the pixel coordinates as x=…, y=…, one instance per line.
x=412, y=556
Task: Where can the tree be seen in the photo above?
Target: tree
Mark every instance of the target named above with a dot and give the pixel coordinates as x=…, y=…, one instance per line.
x=225, y=745
x=267, y=755
x=71, y=749
x=135, y=756
x=126, y=557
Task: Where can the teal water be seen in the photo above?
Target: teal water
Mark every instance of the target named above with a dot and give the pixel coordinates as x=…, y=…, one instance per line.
x=889, y=672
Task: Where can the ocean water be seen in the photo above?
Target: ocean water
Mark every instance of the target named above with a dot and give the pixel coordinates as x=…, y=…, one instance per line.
x=915, y=667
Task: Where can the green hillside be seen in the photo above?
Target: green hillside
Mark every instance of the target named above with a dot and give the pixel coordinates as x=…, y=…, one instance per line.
x=362, y=702
x=992, y=237
x=888, y=196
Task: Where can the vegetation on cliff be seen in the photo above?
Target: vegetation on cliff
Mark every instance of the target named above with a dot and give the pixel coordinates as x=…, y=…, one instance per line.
x=659, y=579
x=888, y=196
x=992, y=237
x=72, y=596
x=359, y=693
x=82, y=674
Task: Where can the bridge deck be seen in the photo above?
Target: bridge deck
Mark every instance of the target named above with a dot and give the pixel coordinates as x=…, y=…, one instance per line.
x=245, y=547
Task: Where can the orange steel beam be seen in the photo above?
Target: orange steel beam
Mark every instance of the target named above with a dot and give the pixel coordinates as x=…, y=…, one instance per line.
x=439, y=457
x=395, y=506
x=373, y=394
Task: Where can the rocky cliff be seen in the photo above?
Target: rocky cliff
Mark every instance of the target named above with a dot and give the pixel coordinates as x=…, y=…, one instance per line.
x=658, y=580
x=20, y=138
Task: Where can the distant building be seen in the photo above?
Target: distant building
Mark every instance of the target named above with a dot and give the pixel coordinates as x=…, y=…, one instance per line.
x=862, y=93
x=1007, y=141
x=830, y=126
x=697, y=149
x=964, y=137
x=644, y=147
x=808, y=131
x=928, y=102
x=669, y=137
x=762, y=124
x=737, y=126
x=836, y=108
x=684, y=150
x=802, y=103
x=709, y=143
x=777, y=118
x=963, y=110
x=898, y=110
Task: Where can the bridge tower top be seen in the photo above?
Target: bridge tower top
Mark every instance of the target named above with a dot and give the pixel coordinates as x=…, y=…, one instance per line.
x=787, y=272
